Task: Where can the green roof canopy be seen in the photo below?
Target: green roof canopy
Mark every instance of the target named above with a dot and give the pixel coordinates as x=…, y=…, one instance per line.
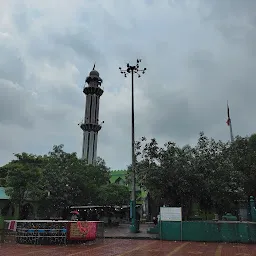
x=3, y=194
x=115, y=174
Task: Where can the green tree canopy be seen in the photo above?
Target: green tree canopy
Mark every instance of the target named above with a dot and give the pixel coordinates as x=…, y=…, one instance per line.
x=113, y=194
x=212, y=173
x=23, y=177
x=55, y=180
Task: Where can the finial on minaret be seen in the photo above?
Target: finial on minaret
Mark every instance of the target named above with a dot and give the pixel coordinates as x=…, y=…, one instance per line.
x=94, y=66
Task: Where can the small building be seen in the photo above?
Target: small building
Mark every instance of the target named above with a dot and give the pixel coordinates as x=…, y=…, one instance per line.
x=120, y=177
x=7, y=209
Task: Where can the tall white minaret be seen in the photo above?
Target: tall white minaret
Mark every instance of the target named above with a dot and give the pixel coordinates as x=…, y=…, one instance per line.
x=90, y=125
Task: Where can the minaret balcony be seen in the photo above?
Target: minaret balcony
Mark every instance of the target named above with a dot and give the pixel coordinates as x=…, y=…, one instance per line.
x=89, y=127
x=93, y=90
x=93, y=77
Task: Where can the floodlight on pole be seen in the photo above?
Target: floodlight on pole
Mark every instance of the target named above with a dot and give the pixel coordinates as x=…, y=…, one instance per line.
x=134, y=228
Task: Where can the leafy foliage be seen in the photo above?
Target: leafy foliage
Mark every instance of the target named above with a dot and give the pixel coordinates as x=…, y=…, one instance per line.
x=113, y=194
x=23, y=175
x=214, y=174
x=55, y=180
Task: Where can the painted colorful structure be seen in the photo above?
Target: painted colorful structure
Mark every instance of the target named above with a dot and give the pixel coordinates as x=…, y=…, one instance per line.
x=53, y=232
x=120, y=177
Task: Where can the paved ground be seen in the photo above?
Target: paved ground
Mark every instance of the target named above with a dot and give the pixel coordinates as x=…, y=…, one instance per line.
x=122, y=231
x=131, y=247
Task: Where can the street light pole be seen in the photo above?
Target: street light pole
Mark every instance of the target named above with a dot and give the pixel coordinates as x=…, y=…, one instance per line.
x=134, y=228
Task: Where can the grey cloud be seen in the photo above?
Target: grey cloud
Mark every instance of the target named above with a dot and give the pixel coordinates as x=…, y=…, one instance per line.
x=82, y=44
x=47, y=49
x=15, y=105
x=171, y=117
x=197, y=58
x=72, y=44
x=12, y=67
x=235, y=20
x=202, y=59
x=7, y=140
x=22, y=21
x=65, y=94
x=56, y=115
x=212, y=72
x=221, y=10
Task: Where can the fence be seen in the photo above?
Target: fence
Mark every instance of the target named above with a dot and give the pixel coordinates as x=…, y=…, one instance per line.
x=52, y=232
x=209, y=231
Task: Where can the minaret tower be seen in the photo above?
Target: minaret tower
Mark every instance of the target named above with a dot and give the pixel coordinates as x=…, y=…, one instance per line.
x=90, y=125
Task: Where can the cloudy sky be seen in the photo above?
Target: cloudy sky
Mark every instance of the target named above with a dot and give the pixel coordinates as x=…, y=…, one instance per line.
x=198, y=55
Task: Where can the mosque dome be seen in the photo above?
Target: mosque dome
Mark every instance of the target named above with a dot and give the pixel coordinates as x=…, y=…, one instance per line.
x=93, y=76
x=94, y=73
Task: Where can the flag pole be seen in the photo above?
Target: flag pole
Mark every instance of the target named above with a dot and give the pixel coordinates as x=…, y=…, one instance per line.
x=231, y=132
x=229, y=123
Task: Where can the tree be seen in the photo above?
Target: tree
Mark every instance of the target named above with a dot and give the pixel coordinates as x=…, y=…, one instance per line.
x=113, y=194
x=243, y=155
x=214, y=174
x=70, y=181
x=165, y=172
x=54, y=181
x=23, y=176
x=221, y=184
x=3, y=175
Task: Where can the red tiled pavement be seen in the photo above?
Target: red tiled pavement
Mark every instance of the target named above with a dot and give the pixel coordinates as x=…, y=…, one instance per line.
x=122, y=247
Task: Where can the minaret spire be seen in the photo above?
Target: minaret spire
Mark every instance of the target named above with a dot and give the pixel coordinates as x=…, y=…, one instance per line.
x=90, y=125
